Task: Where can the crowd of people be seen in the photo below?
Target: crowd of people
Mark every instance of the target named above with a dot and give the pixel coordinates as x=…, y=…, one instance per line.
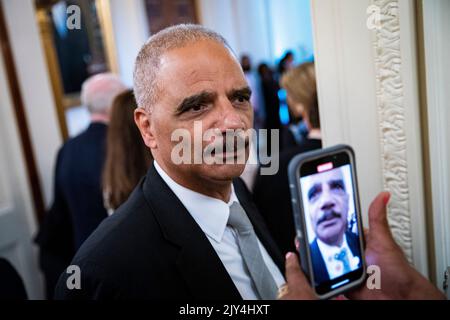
x=140, y=226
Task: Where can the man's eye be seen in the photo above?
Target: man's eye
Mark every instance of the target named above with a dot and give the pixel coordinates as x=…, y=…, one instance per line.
x=198, y=107
x=243, y=99
x=337, y=185
x=313, y=193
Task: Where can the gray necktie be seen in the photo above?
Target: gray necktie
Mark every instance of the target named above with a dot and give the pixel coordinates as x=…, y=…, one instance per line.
x=248, y=243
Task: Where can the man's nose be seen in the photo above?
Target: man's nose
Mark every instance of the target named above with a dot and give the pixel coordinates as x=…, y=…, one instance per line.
x=229, y=118
x=327, y=206
x=326, y=200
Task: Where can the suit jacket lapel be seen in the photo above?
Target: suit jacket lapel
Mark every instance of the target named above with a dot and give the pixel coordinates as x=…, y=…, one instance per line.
x=320, y=269
x=353, y=243
x=258, y=224
x=198, y=262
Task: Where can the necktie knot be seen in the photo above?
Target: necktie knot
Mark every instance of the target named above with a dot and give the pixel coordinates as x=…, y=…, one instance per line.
x=238, y=219
x=342, y=256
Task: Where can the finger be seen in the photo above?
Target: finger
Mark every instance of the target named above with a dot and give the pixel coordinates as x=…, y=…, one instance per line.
x=366, y=231
x=298, y=286
x=294, y=274
x=377, y=214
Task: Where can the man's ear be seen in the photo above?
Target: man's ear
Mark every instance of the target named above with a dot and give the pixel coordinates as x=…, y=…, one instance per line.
x=143, y=122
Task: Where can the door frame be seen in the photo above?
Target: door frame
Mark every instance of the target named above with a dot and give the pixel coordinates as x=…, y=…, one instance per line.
x=21, y=121
x=436, y=116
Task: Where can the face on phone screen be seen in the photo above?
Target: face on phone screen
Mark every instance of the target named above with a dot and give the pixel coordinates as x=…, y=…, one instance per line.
x=331, y=222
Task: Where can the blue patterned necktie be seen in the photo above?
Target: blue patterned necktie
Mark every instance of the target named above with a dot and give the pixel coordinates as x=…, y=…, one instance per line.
x=343, y=257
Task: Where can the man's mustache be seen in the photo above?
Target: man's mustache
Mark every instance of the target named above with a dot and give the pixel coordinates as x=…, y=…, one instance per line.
x=231, y=144
x=329, y=214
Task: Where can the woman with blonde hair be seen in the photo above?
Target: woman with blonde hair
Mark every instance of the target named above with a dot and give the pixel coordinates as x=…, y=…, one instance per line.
x=300, y=86
x=127, y=157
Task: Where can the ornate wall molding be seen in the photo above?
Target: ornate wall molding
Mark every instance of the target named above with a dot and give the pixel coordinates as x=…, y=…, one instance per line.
x=392, y=114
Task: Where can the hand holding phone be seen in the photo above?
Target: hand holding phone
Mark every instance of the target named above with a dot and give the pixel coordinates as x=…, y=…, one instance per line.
x=399, y=281
x=328, y=221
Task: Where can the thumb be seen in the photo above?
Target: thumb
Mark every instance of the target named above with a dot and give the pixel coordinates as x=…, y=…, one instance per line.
x=377, y=214
x=294, y=274
x=297, y=284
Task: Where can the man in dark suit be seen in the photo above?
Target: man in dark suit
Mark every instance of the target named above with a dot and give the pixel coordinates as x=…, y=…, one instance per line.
x=336, y=250
x=12, y=287
x=77, y=207
x=189, y=230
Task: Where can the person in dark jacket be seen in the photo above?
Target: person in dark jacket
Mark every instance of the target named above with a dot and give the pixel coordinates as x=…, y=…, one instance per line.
x=269, y=88
x=77, y=207
x=11, y=284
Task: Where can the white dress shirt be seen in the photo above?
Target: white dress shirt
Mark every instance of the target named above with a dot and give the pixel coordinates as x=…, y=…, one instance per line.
x=212, y=216
x=335, y=267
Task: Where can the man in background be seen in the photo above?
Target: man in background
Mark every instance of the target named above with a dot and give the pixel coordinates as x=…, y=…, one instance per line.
x=77, y=207
x=256, y=100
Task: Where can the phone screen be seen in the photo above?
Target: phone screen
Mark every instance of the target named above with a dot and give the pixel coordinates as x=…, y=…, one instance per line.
x=331, y=219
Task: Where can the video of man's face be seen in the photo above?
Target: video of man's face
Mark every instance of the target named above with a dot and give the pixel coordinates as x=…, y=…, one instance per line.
x=331, y=223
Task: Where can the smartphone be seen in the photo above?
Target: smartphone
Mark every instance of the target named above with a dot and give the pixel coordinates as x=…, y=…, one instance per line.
x=328, y=221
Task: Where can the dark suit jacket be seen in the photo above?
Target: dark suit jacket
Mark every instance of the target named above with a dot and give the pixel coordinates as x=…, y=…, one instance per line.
x=321, y=273
x=11, y=284
x=77, y=207
x=273, y=198
x=152, y=248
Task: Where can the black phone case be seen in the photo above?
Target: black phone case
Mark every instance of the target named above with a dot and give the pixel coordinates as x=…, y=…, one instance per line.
x=298, y=212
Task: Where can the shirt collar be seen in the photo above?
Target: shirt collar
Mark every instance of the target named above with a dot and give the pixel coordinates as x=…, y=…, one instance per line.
x=211, y=214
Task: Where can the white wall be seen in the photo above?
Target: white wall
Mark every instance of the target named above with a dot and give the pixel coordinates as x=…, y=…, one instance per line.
x=17, y=217
x=368, y=96
x=264, y=29
x=218, y=15
x=251, y=29
x=346, y=85
x=35, y=87
x=130, y=32
x=291, y=28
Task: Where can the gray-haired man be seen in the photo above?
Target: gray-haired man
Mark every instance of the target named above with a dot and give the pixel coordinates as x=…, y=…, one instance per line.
x=189, y=230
